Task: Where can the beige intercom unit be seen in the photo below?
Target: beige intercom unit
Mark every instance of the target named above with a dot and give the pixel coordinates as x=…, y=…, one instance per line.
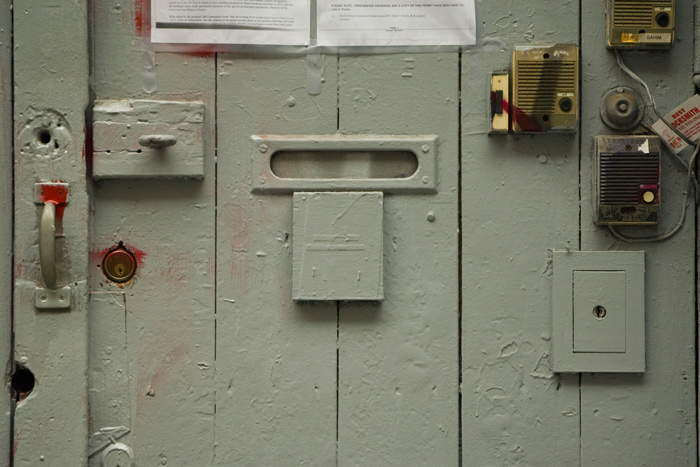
x=640, y=24
x=545, y=88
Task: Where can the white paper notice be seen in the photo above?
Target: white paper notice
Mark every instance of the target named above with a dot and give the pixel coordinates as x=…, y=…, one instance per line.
x=392, y=22
x=265, y=22
x=684, y=118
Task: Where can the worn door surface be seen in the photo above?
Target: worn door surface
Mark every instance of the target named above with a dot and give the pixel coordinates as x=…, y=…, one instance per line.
x=204, y=357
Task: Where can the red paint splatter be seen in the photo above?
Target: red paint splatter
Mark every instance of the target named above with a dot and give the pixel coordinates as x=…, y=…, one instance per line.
x=55, y=194
x=138, y=16
x=96, y=255
x=520, y=119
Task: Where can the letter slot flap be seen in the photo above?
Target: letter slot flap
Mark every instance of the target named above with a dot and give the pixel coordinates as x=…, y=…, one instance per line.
x=337, y=246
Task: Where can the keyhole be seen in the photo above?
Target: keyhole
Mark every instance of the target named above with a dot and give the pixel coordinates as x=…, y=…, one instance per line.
x=599, y=312
x=120, y=269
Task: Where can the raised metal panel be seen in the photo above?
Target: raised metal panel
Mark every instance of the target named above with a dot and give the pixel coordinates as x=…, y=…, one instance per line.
x=582, y=339
x=599, y=311
x=423, y=180
x=337, y=246
x=148, y=139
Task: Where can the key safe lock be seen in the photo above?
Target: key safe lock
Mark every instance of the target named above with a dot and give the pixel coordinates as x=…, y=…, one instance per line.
x=338, y=184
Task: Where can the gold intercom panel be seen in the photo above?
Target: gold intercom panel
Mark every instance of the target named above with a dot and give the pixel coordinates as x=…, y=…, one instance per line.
x=641, y=24
x=545, y=88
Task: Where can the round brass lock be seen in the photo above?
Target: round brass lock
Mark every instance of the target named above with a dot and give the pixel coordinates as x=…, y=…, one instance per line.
x=119, y=265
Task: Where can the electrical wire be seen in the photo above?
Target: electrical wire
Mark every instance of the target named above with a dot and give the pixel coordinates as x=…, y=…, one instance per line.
x=689, y=166
x=679, y=224
x=636, y=77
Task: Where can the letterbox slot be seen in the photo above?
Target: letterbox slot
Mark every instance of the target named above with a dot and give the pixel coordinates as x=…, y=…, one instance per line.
x=340, y=164
x=387, y=163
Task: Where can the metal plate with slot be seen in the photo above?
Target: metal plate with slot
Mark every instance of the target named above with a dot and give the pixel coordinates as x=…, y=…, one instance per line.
x=148, y=139
x=345, y=163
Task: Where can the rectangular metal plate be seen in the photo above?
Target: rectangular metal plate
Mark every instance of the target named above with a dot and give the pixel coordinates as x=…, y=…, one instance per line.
x=599, y=311
x=580, y=341
x=118, y=125
x=47, y=299
x=337, y=246
x=424, y=179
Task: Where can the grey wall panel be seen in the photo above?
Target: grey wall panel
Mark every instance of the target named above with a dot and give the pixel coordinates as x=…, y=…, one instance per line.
x=519, y=200
x=168, y=308
x=5, y=226
x=50, y=425
x=398, y=360
x=276, y=358
x=662, y=400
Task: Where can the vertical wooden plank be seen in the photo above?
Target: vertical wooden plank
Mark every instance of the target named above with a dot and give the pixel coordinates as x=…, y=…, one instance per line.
x=398, y=359
x=169, y=313
x=519, y=200
x=51, y=87
x=276, y=358
x=650, y=418
x=6, y=216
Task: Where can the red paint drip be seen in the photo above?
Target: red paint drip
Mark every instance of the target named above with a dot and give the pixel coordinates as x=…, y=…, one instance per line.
x=138, y=16
x=520, y=118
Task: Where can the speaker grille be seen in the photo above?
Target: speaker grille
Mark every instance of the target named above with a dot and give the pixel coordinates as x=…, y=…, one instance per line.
x=540, y=82
x=621, y=174
x=636, y=14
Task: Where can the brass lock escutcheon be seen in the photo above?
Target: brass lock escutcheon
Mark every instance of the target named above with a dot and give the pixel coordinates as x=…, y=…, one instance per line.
x=119, y=265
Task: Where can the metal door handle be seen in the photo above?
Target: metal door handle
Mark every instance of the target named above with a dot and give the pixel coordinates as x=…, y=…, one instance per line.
x=157, y=141
x=52, y=297
x=47, y=244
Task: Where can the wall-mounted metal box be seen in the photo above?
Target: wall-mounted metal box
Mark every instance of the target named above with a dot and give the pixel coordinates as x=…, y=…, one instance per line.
x=545, y=88
x=598, y=311
x=627, y=179
x=148, y=139
x=645, y=24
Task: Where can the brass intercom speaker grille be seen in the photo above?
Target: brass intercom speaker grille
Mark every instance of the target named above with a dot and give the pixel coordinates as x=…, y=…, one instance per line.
x=540, y=83
x=545, y=88
x=637, y=14
x=622, y=174
x=640, y=24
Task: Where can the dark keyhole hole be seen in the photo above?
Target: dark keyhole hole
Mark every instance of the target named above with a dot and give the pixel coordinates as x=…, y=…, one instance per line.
x=44, y=137
x=22, y=383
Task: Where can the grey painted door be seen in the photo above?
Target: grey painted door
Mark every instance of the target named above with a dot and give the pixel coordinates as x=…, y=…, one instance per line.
x=204, y=357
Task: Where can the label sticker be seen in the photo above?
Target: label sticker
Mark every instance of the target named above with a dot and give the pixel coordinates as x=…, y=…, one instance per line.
x=259, y=22
x=655, y=38
x=684, y=118
x=388, y=22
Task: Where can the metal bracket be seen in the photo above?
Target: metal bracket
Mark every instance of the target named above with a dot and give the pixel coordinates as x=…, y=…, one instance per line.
x=48, y=299
x=103, y=438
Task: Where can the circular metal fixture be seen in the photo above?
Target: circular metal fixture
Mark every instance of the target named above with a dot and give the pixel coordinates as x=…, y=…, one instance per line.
x=622, y=108
x=119, y=265
x=118, y=455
